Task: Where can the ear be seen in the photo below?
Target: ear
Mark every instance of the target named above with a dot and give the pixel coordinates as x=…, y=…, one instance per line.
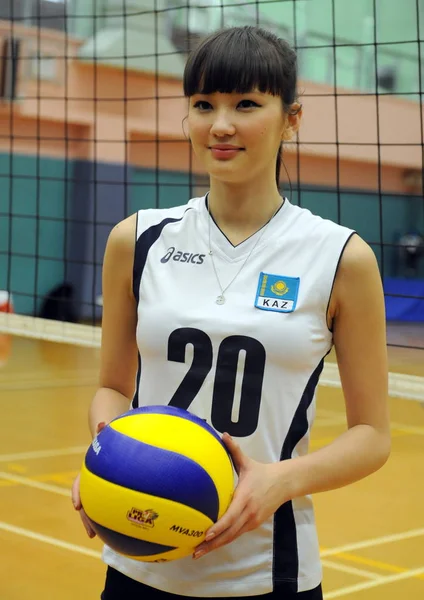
x=186, y=129
x=293, y=121
x=287, y=134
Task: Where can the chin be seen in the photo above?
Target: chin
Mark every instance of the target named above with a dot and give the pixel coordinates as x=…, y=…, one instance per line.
x=227, y=173
x=233, y=178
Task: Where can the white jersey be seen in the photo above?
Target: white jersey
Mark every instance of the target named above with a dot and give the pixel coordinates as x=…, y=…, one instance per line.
x=249, y=366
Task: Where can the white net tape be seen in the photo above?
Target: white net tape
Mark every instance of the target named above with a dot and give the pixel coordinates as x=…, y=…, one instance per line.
x=410, y=387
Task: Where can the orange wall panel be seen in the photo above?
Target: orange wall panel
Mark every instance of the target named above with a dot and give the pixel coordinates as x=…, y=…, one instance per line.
x=107, y=114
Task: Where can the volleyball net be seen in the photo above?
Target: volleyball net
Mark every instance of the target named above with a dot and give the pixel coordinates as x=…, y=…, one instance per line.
x=91, y=113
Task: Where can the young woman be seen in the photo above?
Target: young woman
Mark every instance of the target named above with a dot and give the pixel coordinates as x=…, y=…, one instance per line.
x=241, y=295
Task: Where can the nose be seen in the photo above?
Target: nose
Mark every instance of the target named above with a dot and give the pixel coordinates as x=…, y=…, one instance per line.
x=222, y=124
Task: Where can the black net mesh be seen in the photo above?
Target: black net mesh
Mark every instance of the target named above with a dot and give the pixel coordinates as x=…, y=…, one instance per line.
x=92, y=116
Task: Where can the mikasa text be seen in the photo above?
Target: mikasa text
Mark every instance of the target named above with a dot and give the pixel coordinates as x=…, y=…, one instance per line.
x=96, y=446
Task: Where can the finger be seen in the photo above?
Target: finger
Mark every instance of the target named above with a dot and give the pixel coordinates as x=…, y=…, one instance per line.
x=239, y=458
x=100, y=426
x=246, y=527
x=225, y=537
x=76, y=499
x=86, y=522
x=235, y=509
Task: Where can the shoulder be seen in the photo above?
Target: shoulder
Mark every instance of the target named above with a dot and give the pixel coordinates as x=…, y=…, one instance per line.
x=358, y=276
x=357, y=259
x=315, y=227
x=122, y=237
x=119, y=255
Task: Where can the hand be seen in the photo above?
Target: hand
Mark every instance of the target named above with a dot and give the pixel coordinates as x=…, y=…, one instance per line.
x=76, y=498
x=257, y=496
x=76, y=501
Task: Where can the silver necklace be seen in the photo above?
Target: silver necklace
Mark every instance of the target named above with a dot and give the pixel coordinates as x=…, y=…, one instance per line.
x=221, y=298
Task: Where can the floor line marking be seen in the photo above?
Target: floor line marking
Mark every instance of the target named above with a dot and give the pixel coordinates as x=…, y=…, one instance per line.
x=401, y=385
x=64, y=478
x=352, y=570
x=94, y=554
x=46, y=487
x=376, y=579
x=340, y=419
x=366, y=585
x=370, y=562
x=43, y=453
x=318, y=442
x=325, y=552
x=49, y=540
x=52, y=384
x=408, y=428
x=386, y=539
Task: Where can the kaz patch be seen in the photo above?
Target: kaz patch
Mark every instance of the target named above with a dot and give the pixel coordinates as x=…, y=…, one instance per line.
x=277, y=293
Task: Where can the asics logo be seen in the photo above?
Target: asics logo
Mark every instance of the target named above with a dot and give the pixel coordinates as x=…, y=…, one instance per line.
x=184, y=257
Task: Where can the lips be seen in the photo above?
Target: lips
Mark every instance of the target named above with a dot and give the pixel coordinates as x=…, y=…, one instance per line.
x=225, y=151
x=225, y=147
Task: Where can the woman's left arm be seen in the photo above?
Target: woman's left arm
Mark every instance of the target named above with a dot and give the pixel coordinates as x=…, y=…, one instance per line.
x=358, y=318
x=359, y=326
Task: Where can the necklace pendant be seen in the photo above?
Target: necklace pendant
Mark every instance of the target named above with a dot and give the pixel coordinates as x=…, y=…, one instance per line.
x=220, y=300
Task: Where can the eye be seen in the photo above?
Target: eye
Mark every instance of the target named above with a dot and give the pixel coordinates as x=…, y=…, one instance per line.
x=202, y=105
x=248, y=104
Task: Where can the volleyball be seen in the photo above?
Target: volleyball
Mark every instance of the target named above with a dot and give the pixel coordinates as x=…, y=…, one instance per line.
x=154, y=480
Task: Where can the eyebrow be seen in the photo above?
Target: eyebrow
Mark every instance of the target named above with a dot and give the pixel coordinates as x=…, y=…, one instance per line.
x=256, y=92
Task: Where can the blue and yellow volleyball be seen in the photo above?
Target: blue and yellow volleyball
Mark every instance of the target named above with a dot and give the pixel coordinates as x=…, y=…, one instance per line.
x=154, y=480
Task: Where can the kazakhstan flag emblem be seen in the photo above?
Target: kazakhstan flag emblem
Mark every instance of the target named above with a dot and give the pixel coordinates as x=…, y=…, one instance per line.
x=277, y=293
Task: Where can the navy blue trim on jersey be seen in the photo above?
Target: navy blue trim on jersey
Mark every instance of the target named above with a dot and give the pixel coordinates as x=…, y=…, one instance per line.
x=334, y=280
x=254, y=233
x=286, y=559
x=142, y=247
x=135, y=402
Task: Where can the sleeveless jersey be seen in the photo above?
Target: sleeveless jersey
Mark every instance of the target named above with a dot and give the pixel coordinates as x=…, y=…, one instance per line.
x=249, y=366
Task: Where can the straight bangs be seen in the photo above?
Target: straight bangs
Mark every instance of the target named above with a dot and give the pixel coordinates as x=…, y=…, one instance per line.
x=237, y=61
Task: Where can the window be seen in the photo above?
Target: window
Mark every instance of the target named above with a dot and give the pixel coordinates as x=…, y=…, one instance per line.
x=40, y=13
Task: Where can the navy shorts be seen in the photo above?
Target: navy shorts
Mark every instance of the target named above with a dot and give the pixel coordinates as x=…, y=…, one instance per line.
x=121, y=587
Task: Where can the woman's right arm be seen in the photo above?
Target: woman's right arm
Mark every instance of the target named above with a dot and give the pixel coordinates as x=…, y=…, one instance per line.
x=118, y=357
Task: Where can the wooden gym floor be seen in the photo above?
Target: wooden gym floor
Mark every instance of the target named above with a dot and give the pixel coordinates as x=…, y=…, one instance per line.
x=371, y=533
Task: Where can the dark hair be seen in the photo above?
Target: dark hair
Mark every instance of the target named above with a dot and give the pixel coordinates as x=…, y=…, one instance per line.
x=240, y=59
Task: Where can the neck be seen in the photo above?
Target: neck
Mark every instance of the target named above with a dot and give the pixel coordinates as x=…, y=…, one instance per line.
x=240, y=210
